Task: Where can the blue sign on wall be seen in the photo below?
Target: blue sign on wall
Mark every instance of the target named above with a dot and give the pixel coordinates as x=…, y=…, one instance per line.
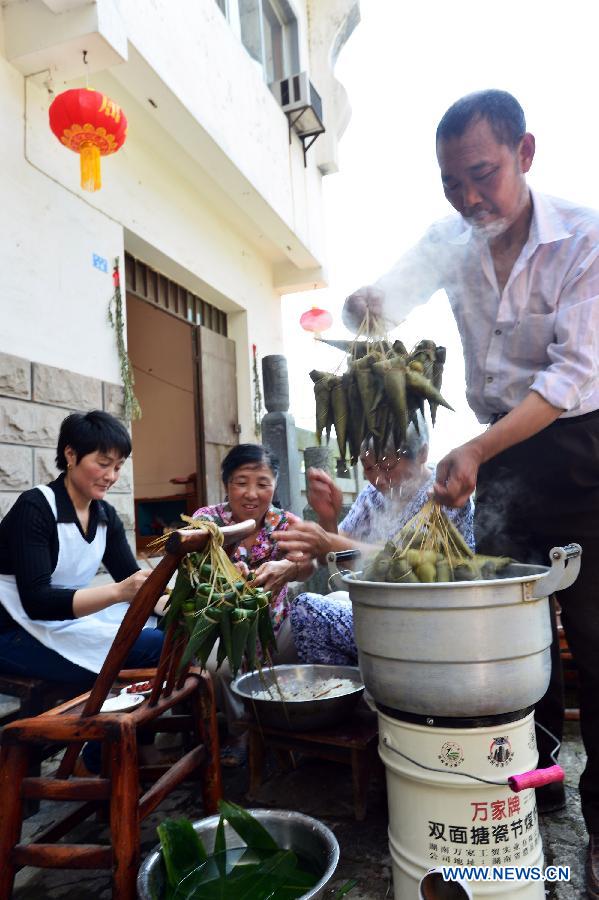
x=100, y=262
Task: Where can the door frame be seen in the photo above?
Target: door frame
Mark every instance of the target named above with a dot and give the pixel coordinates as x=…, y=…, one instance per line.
x=199, y=418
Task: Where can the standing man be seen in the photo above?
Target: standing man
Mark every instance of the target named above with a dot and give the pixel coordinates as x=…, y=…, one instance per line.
x=521, y=271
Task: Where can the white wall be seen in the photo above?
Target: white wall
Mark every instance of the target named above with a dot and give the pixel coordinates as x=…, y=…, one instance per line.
x=224, y=89
x=162, y=199
x=53, y=301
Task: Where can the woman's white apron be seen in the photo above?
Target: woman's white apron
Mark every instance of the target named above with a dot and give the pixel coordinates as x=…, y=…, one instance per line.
x=84, y=641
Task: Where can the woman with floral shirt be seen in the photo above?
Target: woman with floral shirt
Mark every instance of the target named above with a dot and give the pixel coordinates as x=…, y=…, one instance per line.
x=249, y=474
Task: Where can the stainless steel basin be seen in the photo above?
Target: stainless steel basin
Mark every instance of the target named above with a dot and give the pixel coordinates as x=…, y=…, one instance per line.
x=291, y=830
x=298, y=715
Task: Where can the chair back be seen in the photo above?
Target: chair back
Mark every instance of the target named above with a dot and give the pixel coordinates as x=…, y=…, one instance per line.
x=179, y=544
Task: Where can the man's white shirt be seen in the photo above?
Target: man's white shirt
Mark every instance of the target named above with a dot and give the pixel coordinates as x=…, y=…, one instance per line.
x=540, y=333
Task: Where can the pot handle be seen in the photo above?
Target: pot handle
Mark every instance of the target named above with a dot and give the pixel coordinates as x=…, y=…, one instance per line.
x=335, y=574
x=565, y=566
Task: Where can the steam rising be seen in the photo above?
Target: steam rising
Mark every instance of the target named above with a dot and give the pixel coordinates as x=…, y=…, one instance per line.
x=501, y=504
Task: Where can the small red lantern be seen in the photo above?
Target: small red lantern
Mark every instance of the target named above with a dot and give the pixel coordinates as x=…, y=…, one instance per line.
x=316, y=320
x=87, y=122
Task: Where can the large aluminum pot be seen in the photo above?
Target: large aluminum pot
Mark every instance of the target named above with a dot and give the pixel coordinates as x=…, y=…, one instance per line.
x=291, y=830
x=460, y=649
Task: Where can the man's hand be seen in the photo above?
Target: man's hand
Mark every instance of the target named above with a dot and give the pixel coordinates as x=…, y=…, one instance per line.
x=456, y=475
x=366, y=299
x=305, y=538
x=325, y=498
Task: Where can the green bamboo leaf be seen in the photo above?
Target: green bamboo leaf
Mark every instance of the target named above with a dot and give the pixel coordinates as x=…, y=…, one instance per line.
x=296, y=883
x=340, y=412
x=220, y=847
x=182, y=849
x=219, y=877
x=240, y=626
x=370, y=395
x=201, y=602
x=221, y=654
x=249, y=602
x=181, y=592
x=345, y=889
x=204, y=628
x=252, y=638
x=425, y=388
x=183, y=588
x=265, y=632
x=225, y=632
x=395, y=388
x=252, y=882
x=322, y=395
x=273, y=873
x=247, y=827
x=207, y=647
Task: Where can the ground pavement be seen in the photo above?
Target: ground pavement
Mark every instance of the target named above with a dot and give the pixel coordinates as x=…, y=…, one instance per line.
x=322, y=789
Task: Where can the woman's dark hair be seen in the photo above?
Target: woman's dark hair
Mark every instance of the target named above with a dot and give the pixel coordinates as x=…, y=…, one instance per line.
x=502, y=111
x=247, y=454
x=87, y=432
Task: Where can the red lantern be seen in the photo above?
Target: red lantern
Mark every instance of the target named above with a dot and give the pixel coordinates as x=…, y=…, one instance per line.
x=89, y=123
x=316, y=320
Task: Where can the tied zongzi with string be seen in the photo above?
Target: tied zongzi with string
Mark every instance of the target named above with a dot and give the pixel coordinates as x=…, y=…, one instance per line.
x=430, y=549
x=381, y=392
x=213, y=602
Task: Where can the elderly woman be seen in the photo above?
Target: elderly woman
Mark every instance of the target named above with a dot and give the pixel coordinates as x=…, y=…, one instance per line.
x=53, y=624
x=249, y=474
x=399, y=486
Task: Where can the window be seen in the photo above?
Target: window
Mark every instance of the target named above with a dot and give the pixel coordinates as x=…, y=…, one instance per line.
x=155, y=288
x=272, y=29
x=269, y=34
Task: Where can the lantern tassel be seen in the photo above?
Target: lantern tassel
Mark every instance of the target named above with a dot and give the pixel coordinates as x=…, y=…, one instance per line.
x=91, y=179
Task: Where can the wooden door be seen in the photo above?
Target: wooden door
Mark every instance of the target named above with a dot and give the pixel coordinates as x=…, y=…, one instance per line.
x=216, y=393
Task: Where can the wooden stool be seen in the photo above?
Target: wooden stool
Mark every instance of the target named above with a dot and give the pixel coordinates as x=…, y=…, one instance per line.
x=354, y=742
x=36, y=695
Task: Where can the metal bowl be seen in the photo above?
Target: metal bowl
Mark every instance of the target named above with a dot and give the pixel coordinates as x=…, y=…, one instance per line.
x=298, y=715
x=291, y=830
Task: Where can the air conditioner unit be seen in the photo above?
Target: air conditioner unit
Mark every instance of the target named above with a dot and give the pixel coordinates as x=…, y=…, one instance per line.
x=301, y=103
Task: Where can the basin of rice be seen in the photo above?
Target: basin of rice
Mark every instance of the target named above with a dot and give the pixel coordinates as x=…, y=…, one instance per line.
x=300, y=697
x=296, y=691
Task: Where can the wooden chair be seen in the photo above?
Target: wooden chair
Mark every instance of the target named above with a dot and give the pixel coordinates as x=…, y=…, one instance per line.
x=35, y=696
x=118, y=788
